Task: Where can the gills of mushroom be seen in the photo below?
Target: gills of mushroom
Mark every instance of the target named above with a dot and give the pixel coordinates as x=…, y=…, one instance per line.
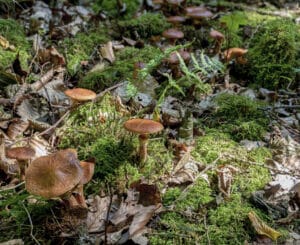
x=143, y=127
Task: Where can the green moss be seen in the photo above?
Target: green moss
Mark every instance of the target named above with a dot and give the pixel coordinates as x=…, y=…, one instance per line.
x=239, y=116
x=113, y=10
x=121, y=69
x=146, y=25
x=273, y=54
x=80, y=47
x=229, y=222
x=13, y=32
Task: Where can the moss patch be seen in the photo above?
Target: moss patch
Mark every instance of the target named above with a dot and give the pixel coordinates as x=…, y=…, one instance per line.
x=14, y=33
x=80, y=47
x=146, y=25
x=273, y=54
x=122, y=68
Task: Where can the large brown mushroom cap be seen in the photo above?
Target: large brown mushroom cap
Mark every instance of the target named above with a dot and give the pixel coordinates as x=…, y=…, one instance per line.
x=88, y=171
x=53, y=175
x=143, y=126
x=20, y=153
x=173, y=33
x=80, y=94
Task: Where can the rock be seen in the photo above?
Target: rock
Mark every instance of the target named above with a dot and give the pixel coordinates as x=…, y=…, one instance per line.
x=250, y=145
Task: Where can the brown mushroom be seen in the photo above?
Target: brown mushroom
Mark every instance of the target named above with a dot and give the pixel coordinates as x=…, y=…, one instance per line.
x=173, y=61
x=191, y=9
x=78, y=95
x=22, y=155
x=176, y=20
x=55, y=175
x=173, y=34
x=219, y=38
x=198, y=16
x=88, y=172
x=143, y=127
x=235, y=53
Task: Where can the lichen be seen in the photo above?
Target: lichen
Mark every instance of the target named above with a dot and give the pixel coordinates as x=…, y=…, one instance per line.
x=145, y=26
x=273, y=54
x=14, y=33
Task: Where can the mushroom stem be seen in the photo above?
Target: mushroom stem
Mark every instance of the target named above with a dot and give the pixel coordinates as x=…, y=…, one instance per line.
x=23, y=165
x=80, y=196
x=143, y=138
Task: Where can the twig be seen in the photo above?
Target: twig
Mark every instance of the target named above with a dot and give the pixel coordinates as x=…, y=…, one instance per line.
x=31, y=225
x=206, y=229
x=99, y=96
x=11, y=188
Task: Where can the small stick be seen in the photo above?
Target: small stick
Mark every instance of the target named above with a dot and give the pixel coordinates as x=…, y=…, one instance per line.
x=11, y=188
x=31, y=225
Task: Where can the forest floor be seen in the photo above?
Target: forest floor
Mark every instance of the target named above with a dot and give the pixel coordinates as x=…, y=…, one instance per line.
x=221, y=81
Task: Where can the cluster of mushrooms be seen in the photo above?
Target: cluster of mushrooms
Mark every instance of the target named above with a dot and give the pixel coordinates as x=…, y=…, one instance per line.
x=178, y=14
x=61, y=174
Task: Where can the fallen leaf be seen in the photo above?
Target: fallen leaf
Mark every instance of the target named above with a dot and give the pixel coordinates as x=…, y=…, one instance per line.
x=107, y=52
x=261, y=228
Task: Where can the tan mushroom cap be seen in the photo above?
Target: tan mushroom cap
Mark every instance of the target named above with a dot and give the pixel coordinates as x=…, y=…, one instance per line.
x=199, y=15
x=233, y=53
x=88, y=171
x=143, y=126
x=53, y=175
x=20, y=153
x=173, y=33
x=216, y=35
x=80, y=94
x=173, y=58
x=176, y=19
x=192, y=9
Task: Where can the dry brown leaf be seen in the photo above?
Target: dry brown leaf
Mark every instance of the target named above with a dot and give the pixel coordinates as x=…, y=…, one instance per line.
x=107, y=52
x=3, y=42
x=17, y=128
x=225, y=178
x=51, y=55
x=261, y=228
x=40, y=146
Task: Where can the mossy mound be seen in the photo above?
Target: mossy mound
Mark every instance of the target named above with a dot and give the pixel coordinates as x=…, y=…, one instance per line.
x=273, y=54
x=121, y=69
x=239, y=116
x=14, y=33
x=145, y=26
x=113, y=10
x=80, y=47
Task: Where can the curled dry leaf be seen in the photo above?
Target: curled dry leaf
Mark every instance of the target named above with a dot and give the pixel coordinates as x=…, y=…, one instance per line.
x=107, y=52
x=40, y=146
x=17, y=128
x=5, y=44
x=225, y=177
x=261, y=228
x=51, y=55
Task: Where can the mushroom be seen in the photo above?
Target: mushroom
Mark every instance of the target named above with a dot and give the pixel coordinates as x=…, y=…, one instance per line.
x=176, y=20
x=78, y=95
x=191, y=9
x=22, y=155
x=143, y=127
x=173, y=60
x=198, y=15
x=173, y=34
x=55, y=175
x=88, y=172
x=235, y=53
x=219, y=38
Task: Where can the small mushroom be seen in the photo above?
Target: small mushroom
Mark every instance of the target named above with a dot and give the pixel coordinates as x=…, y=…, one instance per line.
x=55, y=175
x=176, y=20
x=173, y=34
x=22, y=155
x=78, y=95
x=88, y=172
x=173, y=61
x=219, y=38
x=143, y=127
x=235, y=53
x=198, y=16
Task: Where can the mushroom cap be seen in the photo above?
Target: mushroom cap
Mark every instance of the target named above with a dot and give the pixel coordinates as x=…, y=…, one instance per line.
x=53, y=175
x=175, y=2
x=173, y=33
x=199, y=15
x=216, y=35
x=88, y=171
x=232, y=53
x=80, y=94
x=143, y=126
x=176, y=19
x=20, y=153
x=192, y=9
x=173, y=58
